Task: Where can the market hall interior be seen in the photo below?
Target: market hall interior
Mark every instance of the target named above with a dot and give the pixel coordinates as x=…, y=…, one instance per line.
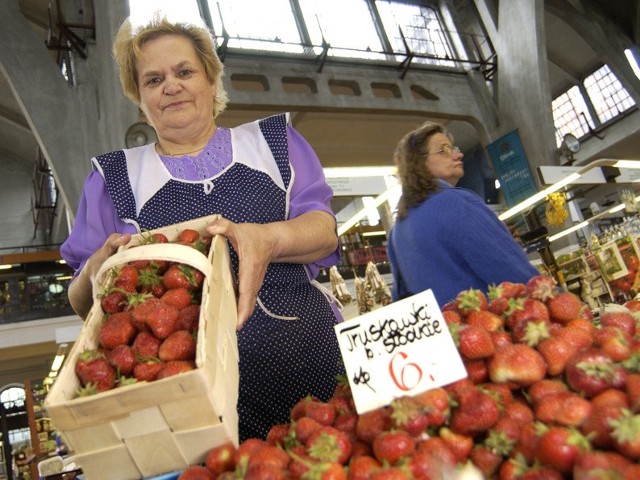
x=61, y=104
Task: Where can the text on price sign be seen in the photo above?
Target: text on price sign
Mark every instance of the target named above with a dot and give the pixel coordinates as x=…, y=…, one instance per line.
x=402, y=349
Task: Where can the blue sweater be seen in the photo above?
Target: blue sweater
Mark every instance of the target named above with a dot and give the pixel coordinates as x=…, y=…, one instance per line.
x=452, y=242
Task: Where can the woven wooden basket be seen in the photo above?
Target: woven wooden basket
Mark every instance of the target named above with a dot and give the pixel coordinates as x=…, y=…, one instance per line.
x=151, y=428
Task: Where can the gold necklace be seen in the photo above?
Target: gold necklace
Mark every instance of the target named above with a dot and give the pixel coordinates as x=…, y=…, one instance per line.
x=164, y=152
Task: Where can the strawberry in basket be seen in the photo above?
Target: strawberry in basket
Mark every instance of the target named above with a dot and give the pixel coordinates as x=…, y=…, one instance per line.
x=150, y=319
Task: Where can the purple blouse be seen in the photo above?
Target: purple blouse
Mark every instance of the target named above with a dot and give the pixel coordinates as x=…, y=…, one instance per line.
x=96, y=217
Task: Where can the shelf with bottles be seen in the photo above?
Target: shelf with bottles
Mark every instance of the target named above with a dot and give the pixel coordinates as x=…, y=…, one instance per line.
x=43, y=436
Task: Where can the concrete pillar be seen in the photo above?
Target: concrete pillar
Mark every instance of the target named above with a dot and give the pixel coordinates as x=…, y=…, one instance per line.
x=523, y=97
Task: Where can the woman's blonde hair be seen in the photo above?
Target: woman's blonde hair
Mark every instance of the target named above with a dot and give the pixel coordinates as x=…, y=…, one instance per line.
x=415, y=178
x=127, y=49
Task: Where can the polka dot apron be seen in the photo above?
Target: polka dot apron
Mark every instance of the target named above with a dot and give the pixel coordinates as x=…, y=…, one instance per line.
x=288, y=348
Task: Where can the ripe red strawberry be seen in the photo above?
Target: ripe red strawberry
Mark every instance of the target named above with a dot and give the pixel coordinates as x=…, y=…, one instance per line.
x=116, y=329
x=556, y=352
x=622, y=320
x=83, y=360
x=188, y=235
x=185, y=276
x=323, y=412
x=303, y=427
x=523, y=309
x=189, y=318
x=518, y=364
x=113, y=301
x=558, y=447
x=626, y=434
x=98, y=373
x=458, y=443
x=530, y=331
x=408, y=414
x=147, y=370
x=504, y=435
x=150, y=281
x=435, y=403
x=473, y=342
x=328, y=444
x=126, y=278
x=542, y=287
x=326, y=471
x=611, y=397
x=180, y=345
x=507, y=290
x=500, y=392
x=393, y=445
x=563, y=408
x=614, y=341
x=363, y=466
x=598, y=464
x=433, y=459
x=149, y=238
x=298, y=410
x=451, y=317
x=632, y=389
x=246, y=449
x=592, y=371
x=501, y=338
x=544, y=387
x=220, y=458
x=161, y=318
x=525, y=447
x=174, y=367
x=597, y=426
x=485, y=319
x=566, y=306
x=371, y=423
x=122, y=359
x=178, y=297
x=498, y=305
x=146, y=345
x=470, y=300
x=269, y=455
x=475, y=413
x=477, y=370
x=346, y=421
x=519, y=411
x=196, y=472
x=486, y=459
x=578, y=336
x=279, y=434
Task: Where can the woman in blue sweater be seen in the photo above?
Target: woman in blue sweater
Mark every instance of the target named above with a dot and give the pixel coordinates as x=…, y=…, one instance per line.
x=445, y=238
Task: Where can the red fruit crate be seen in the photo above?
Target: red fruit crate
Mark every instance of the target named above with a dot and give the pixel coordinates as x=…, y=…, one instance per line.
x=151, y=428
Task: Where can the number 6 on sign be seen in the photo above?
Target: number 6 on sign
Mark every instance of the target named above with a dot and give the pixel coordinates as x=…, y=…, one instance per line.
x=402, y=349
x=405, y=369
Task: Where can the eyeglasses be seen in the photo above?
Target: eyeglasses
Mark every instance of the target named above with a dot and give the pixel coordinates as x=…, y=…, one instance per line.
x=447, y=150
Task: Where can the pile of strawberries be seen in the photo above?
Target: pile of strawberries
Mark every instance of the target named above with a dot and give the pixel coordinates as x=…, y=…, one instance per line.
x=551, y=393
x=151, y=312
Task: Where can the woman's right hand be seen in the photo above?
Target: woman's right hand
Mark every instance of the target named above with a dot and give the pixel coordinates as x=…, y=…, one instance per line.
x=81, y=288
x=109, y=247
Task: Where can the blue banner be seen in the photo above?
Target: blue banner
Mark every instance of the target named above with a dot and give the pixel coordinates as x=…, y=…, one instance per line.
x=512, y=168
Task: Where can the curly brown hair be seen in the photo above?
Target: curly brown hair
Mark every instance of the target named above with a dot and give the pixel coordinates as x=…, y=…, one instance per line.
x=414, y=176
x=129, y=41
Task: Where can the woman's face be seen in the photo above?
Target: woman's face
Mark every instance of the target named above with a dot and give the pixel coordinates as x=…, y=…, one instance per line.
x=175, y=94
x=443, y=159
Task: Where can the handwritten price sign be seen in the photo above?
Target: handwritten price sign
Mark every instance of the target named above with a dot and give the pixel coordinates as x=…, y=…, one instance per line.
x=402, y=349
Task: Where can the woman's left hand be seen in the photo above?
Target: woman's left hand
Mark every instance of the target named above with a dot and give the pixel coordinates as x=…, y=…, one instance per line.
x=255, y=250
x=303, y=240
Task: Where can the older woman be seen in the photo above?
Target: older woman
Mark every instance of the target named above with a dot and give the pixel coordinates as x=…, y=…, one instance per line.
x=445, y=238
x=262, y=177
